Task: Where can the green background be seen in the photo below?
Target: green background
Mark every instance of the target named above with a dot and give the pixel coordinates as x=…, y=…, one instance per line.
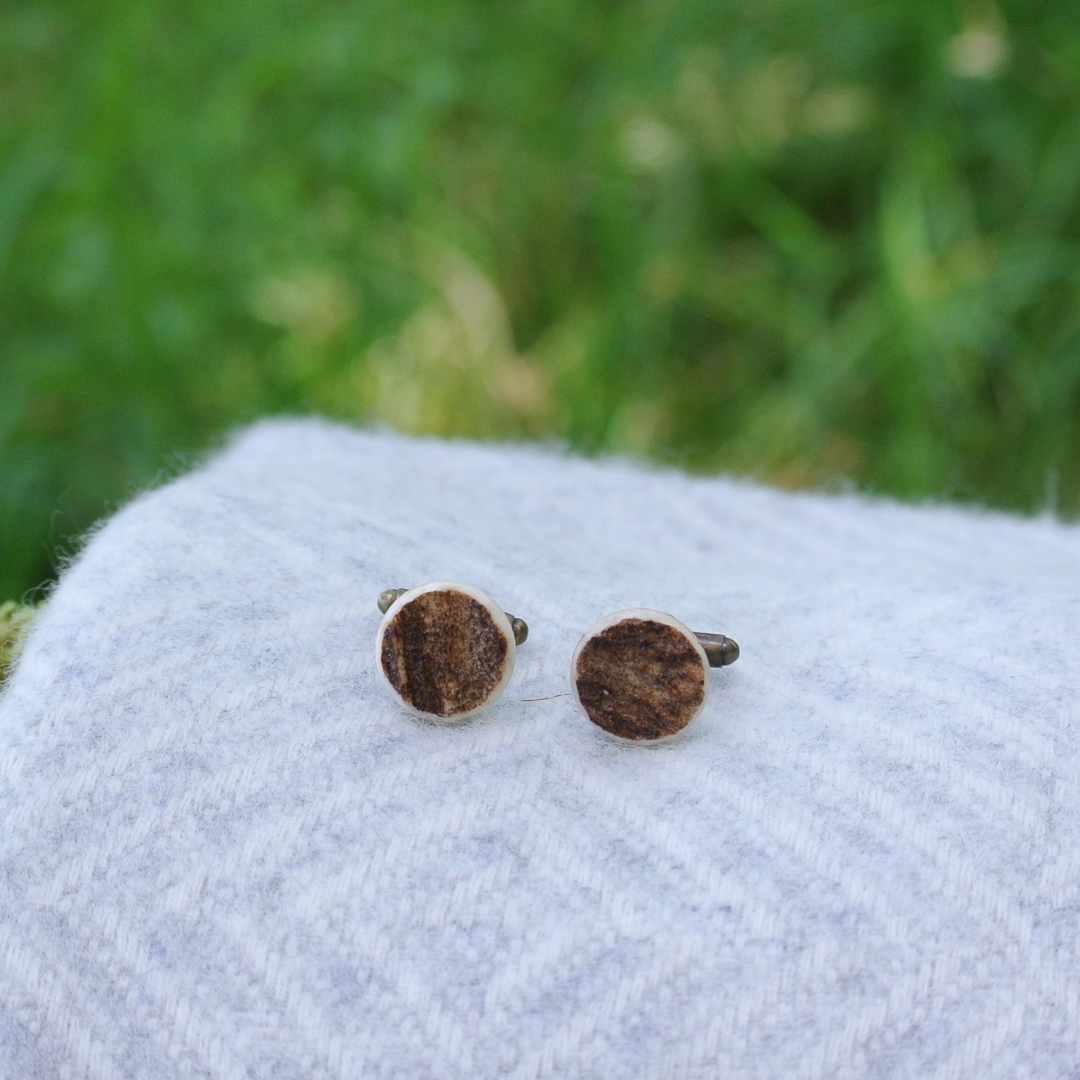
x=822, y=242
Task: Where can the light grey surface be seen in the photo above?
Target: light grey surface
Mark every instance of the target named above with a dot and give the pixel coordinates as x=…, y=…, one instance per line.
x=225, y=851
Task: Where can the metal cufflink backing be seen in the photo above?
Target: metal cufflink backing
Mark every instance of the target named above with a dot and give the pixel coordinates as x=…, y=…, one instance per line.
x=445, y=649
x=642, y=675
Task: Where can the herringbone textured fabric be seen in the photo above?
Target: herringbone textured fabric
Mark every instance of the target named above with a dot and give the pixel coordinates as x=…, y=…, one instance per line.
x=226, y=852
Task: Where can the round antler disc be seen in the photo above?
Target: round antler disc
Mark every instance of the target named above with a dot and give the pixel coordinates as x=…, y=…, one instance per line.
x=640, y=675
x=446, y=649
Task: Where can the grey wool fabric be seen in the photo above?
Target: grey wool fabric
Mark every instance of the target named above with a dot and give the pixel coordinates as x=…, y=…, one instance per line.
x=226, y=851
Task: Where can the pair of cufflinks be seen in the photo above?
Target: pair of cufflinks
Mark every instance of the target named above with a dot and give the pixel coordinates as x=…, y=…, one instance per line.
x=447, y=650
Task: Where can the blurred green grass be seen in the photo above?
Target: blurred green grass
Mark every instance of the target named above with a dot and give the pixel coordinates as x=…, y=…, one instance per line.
x=817, y=241
x=15, y=620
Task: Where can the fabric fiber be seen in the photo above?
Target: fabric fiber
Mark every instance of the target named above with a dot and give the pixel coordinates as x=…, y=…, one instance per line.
x=226, y=851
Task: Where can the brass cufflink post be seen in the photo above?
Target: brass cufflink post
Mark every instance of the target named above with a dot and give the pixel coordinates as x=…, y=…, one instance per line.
x=519, y=626
x=720, y=650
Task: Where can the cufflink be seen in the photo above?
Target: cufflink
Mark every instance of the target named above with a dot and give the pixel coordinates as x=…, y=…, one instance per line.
x=642, y=675
x=445, y=649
